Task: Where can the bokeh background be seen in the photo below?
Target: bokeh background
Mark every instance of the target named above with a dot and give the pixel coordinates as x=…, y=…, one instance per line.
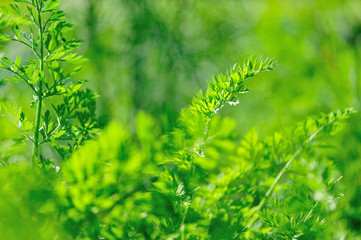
x=154, y=55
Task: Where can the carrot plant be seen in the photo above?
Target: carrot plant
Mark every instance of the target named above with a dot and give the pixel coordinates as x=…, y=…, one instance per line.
x=65, y=114
x=200, y=181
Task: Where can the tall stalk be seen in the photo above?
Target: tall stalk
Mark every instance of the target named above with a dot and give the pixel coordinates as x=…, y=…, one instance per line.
x=40, y=90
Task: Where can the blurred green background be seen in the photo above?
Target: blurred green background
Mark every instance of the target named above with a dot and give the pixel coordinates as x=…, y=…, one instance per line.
x=154, y=55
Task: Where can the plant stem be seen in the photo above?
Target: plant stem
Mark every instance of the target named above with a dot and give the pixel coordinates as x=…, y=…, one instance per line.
x=35, y=157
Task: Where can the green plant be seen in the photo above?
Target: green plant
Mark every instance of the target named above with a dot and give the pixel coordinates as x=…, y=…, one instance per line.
x=196, y=182
x=71, y=119
x=203, y=185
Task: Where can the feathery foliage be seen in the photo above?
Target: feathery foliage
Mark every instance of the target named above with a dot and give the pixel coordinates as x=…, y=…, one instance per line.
x=200, y=181
x=203, y=185
x=70, y=118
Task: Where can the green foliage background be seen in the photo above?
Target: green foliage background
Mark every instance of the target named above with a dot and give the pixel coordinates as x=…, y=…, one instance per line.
x=147, y=59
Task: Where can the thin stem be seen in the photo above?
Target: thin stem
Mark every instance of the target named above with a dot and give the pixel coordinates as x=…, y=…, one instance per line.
x=183, y=220
x=280, y=174
x=40, y=92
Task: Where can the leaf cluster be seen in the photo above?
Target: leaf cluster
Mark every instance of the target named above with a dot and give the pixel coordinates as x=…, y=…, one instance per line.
x=70, y=118
x=181, y=194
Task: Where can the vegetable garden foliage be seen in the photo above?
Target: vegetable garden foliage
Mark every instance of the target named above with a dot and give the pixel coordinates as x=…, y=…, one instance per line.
x=197, y=182
x=203, y=185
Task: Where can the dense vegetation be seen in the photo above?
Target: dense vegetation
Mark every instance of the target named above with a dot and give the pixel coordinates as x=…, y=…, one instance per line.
x=138, y=167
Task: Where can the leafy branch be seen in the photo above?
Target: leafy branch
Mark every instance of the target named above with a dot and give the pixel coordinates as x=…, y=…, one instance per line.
x=326, y=122
x=73, y=121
